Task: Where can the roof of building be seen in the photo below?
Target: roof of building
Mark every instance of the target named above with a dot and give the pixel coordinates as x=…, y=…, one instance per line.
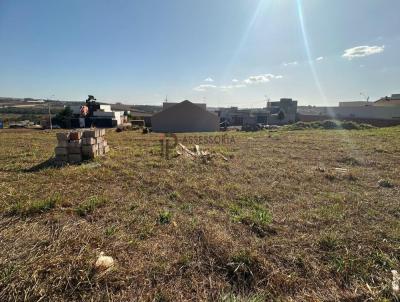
x=185, y=117
x=172, y=105
x=140, y=113
x=167, y=105
x=393, y=97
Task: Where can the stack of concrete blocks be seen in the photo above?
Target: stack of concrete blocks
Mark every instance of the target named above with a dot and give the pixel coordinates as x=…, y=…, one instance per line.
x=69, y=147
x=94, y=144
x=76, y=146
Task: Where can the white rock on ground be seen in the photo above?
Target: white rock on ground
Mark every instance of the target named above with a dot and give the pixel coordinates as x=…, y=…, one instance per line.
x=395, y=282
x=104, y=262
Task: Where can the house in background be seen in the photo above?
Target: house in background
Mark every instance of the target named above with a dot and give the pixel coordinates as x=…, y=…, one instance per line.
x=389, y=101
x=136, y=115
x=94, y=114
x=383, y=112
x=355, y=104
x=276, y=113
x=282, y=112
x=184, y=117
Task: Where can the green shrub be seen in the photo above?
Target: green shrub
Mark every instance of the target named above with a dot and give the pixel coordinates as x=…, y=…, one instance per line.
x=165, y=217
x=328, y=125
x=251, y=214
x=348, y=125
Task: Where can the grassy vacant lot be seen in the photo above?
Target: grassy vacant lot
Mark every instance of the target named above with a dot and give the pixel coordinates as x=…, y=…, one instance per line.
x=275, y=222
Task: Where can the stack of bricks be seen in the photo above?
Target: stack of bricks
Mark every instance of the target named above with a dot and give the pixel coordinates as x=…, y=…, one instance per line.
x=76, y=146
x=94, y=143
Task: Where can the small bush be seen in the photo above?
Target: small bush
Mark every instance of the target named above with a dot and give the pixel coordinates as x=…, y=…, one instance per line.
x=330, y=124
x=299, y=126
x=348, y=125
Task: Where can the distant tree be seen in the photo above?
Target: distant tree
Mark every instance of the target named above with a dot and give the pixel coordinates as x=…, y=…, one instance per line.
x=62, y=117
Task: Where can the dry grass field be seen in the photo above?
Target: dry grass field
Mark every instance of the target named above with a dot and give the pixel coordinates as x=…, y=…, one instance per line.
x=276, y=222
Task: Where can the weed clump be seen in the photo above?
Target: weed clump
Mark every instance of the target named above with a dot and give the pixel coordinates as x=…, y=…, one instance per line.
x=110, y=230
x=349, y=125
x=385, y=183
x=256, y=215
x=243, y=268
x=89, y=205
x=231, y=297
x=35, y=207
x=328, y=243
x=330, y=176
x=174, y=195
x=165, y=217
x=349, y=160
x=328, y=125
x=252, y=213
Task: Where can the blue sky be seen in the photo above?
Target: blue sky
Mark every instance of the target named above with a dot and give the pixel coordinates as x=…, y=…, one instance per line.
x=236, y=52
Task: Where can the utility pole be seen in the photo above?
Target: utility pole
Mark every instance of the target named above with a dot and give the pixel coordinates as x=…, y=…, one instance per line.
x=51, y=124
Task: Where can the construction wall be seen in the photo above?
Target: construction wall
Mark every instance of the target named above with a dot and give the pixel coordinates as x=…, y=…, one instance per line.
x=366, y=112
